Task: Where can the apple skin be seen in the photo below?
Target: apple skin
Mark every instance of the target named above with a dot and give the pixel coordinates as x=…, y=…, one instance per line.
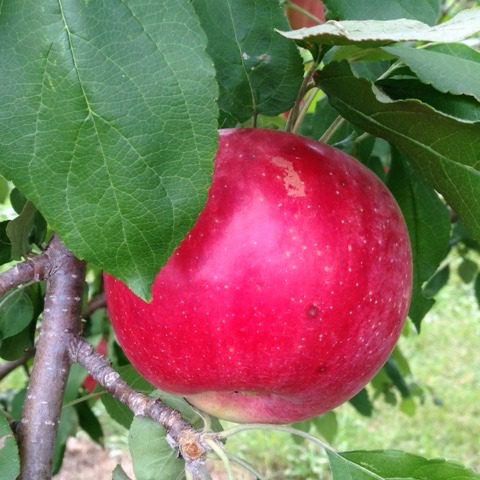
x=289, y=293
x=298, y=20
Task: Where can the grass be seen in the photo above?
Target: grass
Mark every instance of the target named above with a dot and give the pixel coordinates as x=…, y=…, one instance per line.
x=445, y=363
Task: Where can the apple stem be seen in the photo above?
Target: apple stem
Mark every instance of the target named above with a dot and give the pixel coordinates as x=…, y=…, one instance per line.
x=61, y=318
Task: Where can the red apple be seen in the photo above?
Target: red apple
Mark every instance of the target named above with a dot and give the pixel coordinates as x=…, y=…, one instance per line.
x=289, y=293
x=299, y=20
x=89, y=383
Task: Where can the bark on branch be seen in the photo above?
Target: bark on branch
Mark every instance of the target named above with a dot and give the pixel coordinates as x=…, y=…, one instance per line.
x=34, y=269
x=184, y=437
x=61, y=319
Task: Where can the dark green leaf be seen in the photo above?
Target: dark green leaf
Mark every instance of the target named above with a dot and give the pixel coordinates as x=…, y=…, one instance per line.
x=19, y=230
x=428, y=223
x=393, y=372
x=17, y=200
x=16, y=312
x=316, y=124
x=151, y=457
x=437, y=282
x=445, y=151
x=458, y=106
x=88, y=421
x=14, y=347
x=4, y=189
x=397, y=465
x=467, y=270
x=362, y=404
x=258, y=71
x=5, y=245
x=376, y=32
x=67, y=427
x=477, y=289
x=9, y=458
x=109, y=125
x=442, y=65
x=426, y=11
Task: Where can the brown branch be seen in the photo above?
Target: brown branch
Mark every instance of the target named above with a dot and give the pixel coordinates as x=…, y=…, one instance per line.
x=43, y=403
x=34, y=269
x=182, y=435
x=97, y=302
x=8, y=367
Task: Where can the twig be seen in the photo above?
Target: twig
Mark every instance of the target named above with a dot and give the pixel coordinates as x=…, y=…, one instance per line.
x=34, y=269
x=190, y=443
x=307, y=81
x=97, y=302
x=43, y=403
x=9, y=367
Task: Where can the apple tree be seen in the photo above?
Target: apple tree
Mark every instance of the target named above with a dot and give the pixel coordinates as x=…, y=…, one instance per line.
x=109, y=120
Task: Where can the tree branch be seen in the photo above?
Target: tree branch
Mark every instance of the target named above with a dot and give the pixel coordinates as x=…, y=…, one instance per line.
x=35, y=269
x=43, y=403
x=97, y=302
x=189, y=442
x=8, y=367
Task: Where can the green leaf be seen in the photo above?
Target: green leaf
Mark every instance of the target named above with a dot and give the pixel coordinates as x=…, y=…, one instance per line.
x=467, y=270
x=67, y=427
x=155, y=456
x=459, y=106
x=316, y=124
x=362, y=404
x=327, y=426
x=377, y=32
x=445, y=151
x=397, y=465
x=14, y=347
x=477, y=289
x=4, y=189
x=5, y=245
x=258, y=71
x=428, y=223
x=109, y=125
x=393, y=372
x=442, y=65
x=426, y=11
x=9, y=458
x=437, y=282
x=119, y=412
x=19, y=230
x=88, y=421
x=119, y=474
x=16, y=312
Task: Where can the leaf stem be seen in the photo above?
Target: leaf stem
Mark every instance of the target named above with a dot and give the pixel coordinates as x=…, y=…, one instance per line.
x=332, y=129
x=215, y=447
x=304, y=87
